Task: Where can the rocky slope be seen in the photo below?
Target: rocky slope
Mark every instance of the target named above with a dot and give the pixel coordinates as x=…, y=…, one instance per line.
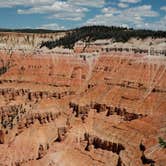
x=26, y=41
x=104, y=109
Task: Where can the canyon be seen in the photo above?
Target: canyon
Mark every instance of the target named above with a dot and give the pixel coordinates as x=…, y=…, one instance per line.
x=84, y=106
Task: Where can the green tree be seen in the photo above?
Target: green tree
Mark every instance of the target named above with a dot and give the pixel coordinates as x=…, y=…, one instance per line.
x=162, y=143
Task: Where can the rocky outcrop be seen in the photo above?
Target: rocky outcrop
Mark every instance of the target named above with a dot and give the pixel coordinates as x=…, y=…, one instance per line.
x=82, y=111
x=16, y=118
x=25, y=40
x=103, y=144
x=42, y=150
x=123, y=113
x=100, y=107
x=10, y=115
x=144, y=159
x=11, y=94
x=2, y=137
x=146, y=47
x=62, y=131
x=42, y=118
x=79, y=111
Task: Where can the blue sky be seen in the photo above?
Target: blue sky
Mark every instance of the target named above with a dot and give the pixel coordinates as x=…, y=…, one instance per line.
x=66, y=14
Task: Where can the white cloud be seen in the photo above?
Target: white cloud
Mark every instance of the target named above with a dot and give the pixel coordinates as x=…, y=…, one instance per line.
x=163, y=8
x=123, y=5
x=88, y=3
x=157, y=25
x=130, y=1
x=76, y=10
x=12, y=3
x=69, y=10
x=132, y=17
x=59, y=10
x=52, y=26
x=110, y=11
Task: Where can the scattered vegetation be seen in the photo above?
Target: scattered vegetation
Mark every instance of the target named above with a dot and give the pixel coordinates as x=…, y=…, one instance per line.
x=162, y=143
x=3, y=70
x=92, y=33
x=5, y=67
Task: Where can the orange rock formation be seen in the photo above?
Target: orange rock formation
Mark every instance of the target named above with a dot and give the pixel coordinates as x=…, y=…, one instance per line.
x=69, y=111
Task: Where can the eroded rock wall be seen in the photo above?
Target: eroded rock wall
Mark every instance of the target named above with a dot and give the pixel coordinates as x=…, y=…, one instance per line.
x=14, y=41
x=63, y=110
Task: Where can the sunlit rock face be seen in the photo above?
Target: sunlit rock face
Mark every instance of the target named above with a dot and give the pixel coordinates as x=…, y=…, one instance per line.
x=26, y=41
x=66, y=108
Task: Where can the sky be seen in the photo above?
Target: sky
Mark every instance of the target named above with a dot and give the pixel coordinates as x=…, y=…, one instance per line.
x=68, y=14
